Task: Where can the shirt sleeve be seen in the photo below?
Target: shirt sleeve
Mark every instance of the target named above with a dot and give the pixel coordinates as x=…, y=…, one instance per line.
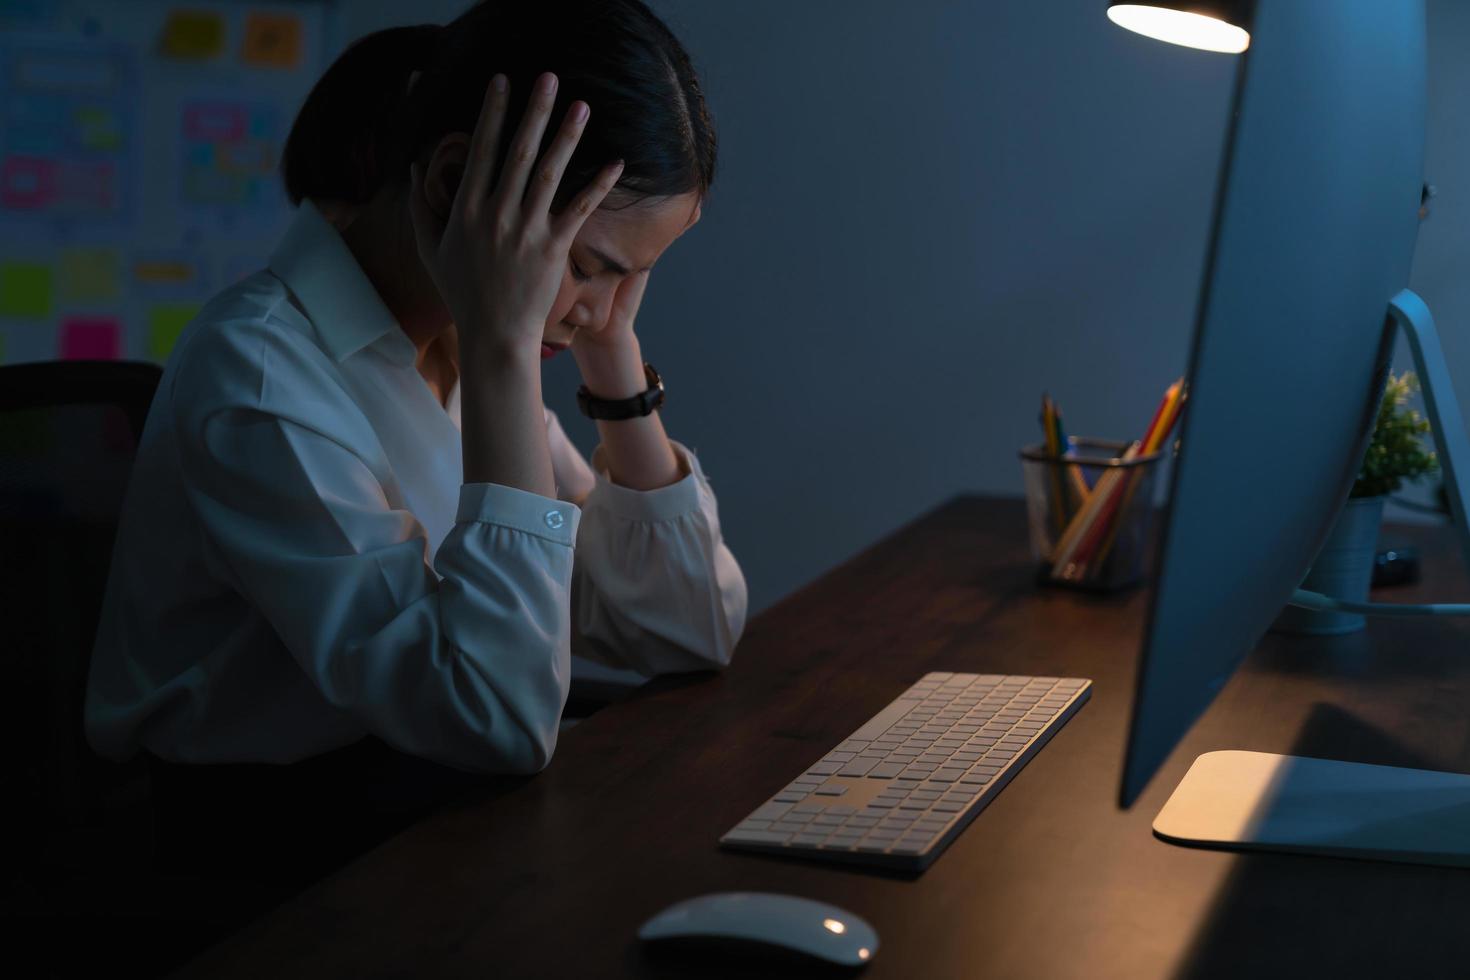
x=655, y=589
x=469, y=667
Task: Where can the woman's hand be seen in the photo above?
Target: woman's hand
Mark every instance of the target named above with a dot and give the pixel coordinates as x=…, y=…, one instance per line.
x=498, y=258
x=609, y=359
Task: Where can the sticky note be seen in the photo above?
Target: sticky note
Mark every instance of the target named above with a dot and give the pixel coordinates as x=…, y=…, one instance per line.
x=25, y=290
x=272, y=41
x=91, y=338
x=98, y=128
x=89, y=274
x=163, y=272
x=193, y=35
x=27, y=183
x=165, y=323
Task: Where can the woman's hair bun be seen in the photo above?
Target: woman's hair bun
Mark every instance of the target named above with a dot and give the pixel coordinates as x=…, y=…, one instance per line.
x=334, y=149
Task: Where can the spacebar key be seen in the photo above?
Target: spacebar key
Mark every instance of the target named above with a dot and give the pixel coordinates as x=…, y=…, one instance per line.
x=885, y=719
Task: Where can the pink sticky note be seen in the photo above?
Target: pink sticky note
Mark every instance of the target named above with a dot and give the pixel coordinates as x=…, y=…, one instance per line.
x=27, y=183
x=91, y=338
x=214, y=122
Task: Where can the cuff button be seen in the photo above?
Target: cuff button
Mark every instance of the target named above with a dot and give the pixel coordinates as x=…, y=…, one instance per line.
x=554, y=519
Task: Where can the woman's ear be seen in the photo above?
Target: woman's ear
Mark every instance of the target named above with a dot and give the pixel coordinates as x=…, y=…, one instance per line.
x=445, y=168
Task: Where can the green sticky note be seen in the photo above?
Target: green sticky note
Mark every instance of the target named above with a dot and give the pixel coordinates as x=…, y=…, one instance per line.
x=25, y=290
x=165, y=323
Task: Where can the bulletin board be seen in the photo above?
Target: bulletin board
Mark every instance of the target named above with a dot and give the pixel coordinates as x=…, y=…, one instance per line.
x=139, y=163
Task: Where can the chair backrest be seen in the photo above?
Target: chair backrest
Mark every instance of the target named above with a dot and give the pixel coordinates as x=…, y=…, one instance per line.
x=69, y=431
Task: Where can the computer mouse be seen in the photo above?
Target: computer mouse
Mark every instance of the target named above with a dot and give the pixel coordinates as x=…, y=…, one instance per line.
x=797, y=924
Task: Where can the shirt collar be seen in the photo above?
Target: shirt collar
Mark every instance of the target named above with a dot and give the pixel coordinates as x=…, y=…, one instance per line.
x=337, y=296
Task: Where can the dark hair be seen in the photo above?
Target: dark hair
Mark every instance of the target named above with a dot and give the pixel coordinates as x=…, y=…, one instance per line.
x=363, y=124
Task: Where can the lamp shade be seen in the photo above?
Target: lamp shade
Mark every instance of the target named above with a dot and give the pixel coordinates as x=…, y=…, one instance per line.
x=1211, y=25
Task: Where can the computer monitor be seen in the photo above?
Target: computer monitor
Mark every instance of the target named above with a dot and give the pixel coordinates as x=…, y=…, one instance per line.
x=1314, y=231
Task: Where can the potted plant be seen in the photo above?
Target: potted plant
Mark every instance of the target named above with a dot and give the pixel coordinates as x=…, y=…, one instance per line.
x=1343, y=568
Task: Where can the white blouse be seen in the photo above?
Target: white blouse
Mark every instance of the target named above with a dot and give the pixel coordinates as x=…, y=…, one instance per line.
x=298, y=563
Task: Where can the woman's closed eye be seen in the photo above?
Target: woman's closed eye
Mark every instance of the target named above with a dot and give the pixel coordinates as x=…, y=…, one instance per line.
x=577, y=272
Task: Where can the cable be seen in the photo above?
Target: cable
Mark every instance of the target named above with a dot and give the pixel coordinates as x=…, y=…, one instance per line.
x=1320, y=603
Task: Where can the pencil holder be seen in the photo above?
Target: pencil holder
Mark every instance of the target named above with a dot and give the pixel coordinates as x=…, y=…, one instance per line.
x=1090, y=512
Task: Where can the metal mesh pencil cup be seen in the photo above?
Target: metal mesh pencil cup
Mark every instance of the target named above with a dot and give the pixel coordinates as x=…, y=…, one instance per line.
x=1090, y=513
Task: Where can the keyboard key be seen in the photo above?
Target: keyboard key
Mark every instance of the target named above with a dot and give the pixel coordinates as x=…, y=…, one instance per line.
x=914, y=805
x=770, y=811
x=886, y=770
x=808, y=839
x=946, y=807
x=857, y=767
x=841, y=809
x=790, y=796
x=831, y=789
x=810, y=806
x=824, y=769
x=787, y=827
x=839, y=757
x=827, y=820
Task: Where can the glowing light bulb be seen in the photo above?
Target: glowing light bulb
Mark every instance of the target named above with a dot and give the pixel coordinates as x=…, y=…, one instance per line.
x=1180, y=27
x=834, y=926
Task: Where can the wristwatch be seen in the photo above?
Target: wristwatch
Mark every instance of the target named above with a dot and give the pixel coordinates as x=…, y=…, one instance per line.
x=614, y=410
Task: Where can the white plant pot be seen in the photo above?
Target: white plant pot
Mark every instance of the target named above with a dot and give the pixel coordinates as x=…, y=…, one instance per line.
x=1343, y=570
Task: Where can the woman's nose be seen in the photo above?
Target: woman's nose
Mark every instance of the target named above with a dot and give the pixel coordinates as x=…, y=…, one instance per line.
x=594, y=310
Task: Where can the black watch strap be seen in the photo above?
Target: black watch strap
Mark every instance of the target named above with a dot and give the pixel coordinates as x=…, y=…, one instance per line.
x=614, y=410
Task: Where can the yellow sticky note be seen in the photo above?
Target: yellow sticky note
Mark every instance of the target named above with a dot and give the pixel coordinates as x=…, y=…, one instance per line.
x=272, y=41
x=165, y=323
x=25, y=290
x=193, y=35
x=89, y=274
x=163, y=273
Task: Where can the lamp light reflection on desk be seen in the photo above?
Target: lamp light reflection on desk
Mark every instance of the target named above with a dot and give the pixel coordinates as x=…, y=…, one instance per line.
x=1221, y=31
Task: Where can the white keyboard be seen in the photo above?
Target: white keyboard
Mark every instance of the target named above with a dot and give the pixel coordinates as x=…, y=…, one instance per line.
x=902, y=786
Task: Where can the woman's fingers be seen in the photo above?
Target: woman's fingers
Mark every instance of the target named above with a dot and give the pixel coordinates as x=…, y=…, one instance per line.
x=479, y=174
x=564, y=227
x=510, y=189
x=549, y=171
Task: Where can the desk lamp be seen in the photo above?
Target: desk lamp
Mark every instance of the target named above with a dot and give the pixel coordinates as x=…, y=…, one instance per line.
x=1301, y=298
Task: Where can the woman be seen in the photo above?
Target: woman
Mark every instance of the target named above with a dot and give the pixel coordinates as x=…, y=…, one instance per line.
x=349, y=533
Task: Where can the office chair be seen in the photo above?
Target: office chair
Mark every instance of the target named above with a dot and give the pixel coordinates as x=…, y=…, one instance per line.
x=78, y=837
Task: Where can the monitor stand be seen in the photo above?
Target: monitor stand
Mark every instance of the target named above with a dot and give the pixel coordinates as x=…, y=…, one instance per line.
x=1259, y=801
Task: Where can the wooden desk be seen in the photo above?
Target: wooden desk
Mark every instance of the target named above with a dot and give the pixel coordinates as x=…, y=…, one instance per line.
x=551, y=876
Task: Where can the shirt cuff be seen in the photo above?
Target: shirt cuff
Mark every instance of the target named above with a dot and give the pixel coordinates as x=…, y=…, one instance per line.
x=520, y=510
x=662, y=504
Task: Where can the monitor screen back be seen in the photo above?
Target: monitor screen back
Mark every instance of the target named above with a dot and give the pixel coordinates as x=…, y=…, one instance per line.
x=1314, y=229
